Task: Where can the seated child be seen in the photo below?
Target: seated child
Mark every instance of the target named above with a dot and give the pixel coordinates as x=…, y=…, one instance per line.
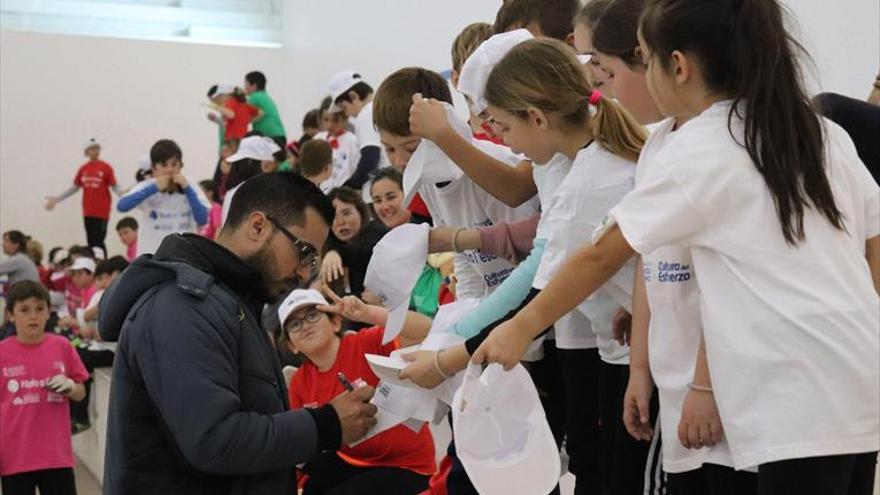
x=395, y=461
x=40, y=373
x=127, y=230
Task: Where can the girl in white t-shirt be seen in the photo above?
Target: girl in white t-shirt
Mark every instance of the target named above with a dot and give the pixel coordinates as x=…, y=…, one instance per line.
x=565, y=117
x=779, y=215
x=665, y=295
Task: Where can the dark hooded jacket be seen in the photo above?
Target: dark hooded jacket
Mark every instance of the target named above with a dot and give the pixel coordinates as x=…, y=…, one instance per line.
x=198, y=402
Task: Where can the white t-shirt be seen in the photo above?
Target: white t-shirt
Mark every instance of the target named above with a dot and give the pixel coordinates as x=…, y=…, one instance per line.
x=367, y=135
x=791, y=332
x=163, y=214
x=462, y=203
x=346, y=156
x=548, y=178
x=674, y=331
x=597, y=181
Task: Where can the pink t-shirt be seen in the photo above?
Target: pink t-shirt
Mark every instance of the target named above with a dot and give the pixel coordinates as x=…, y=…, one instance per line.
x=34, y=422
x=131, y=251
x=215, y=222
x=78, y=297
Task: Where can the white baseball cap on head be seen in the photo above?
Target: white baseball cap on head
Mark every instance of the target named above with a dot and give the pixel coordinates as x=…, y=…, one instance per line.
x=91, y=142
x=339, y=84
x=83, y=263
x=394, y=269
x=501, y=433
x=224, y=89
x=429, y=164
x=297, y=299
x=255, y=147
x=476, y=69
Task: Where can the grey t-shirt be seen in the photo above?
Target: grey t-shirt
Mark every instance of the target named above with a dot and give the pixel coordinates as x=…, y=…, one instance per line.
x=19, y=267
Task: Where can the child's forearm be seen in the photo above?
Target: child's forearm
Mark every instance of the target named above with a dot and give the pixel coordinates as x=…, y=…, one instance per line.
x=375, y=315
x=641, y=317
x=415, y=329
x=133, y=199
x=513, y=186
x=67, y=193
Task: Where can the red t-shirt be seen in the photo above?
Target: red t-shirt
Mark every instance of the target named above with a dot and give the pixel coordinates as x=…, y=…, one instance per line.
x=237, y=126
x=95, y=178
x=418, y=206
x=397, y=447
x=35, y=422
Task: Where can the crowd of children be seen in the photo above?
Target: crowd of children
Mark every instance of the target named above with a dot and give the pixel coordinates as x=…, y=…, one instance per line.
x=650, y=210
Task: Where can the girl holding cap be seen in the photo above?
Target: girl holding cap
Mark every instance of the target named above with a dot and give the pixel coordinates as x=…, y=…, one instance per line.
x=231, y=103
x=397, y=460
x=779, y=215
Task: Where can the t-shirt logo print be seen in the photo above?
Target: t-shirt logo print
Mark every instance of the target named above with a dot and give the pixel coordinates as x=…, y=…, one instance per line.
x=12, y=386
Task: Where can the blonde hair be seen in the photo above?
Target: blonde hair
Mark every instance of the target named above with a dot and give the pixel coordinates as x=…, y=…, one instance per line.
x=35, y=251
x=544, y=74
x=467, y=41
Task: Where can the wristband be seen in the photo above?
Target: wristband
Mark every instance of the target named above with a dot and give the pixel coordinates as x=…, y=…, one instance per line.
x=437, y=365
x=699, y=388
x=455, y=240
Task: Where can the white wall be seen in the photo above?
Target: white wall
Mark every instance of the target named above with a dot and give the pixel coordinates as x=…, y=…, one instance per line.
x=57, y=90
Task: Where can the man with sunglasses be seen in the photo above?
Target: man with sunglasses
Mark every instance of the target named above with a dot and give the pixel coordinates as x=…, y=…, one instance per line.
x=198, y=402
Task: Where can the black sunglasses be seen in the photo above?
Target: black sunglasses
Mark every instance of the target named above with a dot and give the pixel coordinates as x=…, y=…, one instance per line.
x=308, y=255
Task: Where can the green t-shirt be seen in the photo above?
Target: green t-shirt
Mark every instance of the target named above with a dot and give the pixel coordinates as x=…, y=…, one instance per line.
x=270, y=124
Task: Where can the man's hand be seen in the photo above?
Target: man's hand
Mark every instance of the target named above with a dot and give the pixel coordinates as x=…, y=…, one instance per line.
x=356, y=414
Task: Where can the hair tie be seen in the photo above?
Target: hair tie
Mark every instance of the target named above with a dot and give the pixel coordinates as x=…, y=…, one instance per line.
x=595, y=97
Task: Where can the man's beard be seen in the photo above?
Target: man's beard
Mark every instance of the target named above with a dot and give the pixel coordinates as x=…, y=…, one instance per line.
x=271, y=288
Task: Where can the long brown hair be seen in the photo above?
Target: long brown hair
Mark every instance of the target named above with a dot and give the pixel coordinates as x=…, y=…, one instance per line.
x=544, y=74
x=744, y=51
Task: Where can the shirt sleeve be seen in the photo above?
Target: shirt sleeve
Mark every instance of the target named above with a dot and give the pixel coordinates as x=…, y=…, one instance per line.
x=77, y=180
x=293, y=392
x=661, y=210
x=111, y=176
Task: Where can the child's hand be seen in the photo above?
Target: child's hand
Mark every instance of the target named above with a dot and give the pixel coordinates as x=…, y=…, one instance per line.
x=180, y=180
x=506, y=345
x=636, y=401
x=51, y=202
x=421, y=370
x=427, y=118
x=622, y=324
x=331, y=266
x=68, y=322
x=60, y=384
x=213, y=117
x=349, y=307
x=700, y=424
x=162, y=182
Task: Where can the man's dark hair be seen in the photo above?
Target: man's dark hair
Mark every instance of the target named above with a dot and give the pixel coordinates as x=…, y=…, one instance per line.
x=26, y=289
x=256, y=78
x=554, y=17
x=164, y=150
x=362, y=89
x=281, y=196
x=110, y=265
x=127, y=222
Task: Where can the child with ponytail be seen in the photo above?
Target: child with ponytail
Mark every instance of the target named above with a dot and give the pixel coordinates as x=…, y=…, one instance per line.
x=540, y=113
x=779, y=215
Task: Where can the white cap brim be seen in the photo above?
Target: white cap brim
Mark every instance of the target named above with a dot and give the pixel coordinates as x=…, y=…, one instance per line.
x=396, y=319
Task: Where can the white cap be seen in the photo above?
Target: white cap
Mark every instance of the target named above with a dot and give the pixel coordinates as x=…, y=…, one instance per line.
x=395, y=267
x=297, y=299
x=501, y=433
x=429, y=164
x=224, y=89
x=144, y=163
x=339, y=84
x=255, y=147
x=476, y=69
x=91, y=142
x=83, y=263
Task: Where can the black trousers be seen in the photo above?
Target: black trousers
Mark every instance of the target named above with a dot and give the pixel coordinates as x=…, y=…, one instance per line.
x=330, y=475
x=49, y=481
x=832, y=475
x=96, y=232
x=712, y=479
x=624, y=459
x=580, y=379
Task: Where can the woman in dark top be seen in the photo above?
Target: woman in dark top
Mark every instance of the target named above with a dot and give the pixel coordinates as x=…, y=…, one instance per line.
x=355, y=235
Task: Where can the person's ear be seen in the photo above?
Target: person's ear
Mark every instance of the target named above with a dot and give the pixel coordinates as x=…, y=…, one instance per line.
x=257, y=227
x=537, y=118
x=290, y=346
x=569, y=40
x=353, y=96
x=682, y=68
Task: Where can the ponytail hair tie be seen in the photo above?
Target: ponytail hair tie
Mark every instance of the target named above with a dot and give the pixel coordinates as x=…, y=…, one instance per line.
x=595, y=97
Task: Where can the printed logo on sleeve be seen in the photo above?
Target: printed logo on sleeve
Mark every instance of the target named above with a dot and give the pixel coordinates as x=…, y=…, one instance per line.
x=667, y=272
